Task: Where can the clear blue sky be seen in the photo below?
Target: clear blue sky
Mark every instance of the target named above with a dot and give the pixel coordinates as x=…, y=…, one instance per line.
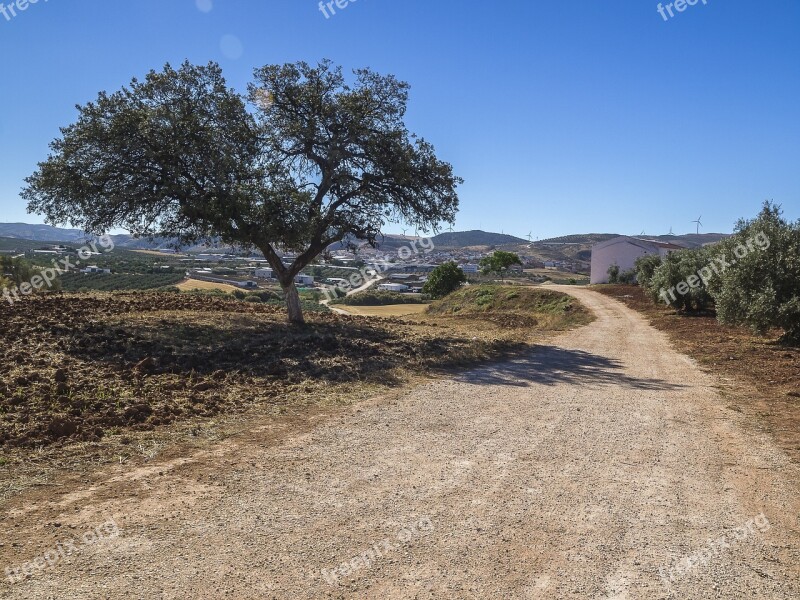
x=563, y=116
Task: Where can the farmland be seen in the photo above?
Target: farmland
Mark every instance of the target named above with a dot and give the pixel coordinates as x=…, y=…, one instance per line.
x=73, y=282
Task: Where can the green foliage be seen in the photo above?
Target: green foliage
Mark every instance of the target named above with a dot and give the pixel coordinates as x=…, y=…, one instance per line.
x=16, y=270
x=645, y=267
x=613, y=274
x=379, y=298
x=264, y=296
x=443, y=280
x=628, y=277
x=676, y=280
x=762, y=289
x=493, y=299
x=498, y=262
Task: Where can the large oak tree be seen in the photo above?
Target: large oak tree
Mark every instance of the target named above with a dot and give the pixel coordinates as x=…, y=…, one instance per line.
x=303, y=160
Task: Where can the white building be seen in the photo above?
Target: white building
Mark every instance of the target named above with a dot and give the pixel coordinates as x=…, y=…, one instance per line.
x=96, y=269
x=469, y=268
x=393, y=287
x=623, y=252
x=263, y=273
x=302, y=279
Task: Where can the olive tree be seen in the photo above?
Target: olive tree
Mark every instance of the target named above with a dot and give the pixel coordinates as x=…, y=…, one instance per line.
x=498, y=262
x=760, y=284
x=305, y=159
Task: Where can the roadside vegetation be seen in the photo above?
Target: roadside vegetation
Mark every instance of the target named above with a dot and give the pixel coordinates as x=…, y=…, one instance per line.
x=750, y=279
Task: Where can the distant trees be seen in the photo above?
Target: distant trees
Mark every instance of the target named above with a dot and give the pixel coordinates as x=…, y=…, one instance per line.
x=444, y=279
x=498, y=262
x=15, y=271
x=313, y=160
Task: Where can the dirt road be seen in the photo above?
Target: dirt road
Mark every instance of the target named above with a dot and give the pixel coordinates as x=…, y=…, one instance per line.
x=581, y=471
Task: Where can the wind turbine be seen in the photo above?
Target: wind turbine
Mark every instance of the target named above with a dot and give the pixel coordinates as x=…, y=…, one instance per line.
x=643, y=233
x=530, y=236
x=450, y=229
x=670, y=231
x=404, y=232
x=699, y=224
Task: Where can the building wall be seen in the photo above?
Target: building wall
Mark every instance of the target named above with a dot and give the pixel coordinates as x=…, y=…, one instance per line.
x=622, y=253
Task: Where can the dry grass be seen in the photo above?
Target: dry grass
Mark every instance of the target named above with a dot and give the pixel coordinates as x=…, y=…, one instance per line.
x=389, y=310
x=763, y=375
x=195, y=284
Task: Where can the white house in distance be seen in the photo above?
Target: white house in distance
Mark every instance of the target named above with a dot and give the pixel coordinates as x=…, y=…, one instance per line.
x=623, y=252
x=393, y=287
x=263, y=273
x=302, y=279
x=95, y=269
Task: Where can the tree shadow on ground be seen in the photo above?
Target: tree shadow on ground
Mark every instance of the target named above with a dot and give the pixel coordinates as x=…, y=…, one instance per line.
x=551, y=365
x=332, y=352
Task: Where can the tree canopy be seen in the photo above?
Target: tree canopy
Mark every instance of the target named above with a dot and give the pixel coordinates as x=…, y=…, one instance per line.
x=498, y=262
x=445, y=278
x=303, y=160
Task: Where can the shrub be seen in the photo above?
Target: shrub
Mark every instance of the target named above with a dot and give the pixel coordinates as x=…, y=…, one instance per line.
x=444, y=279
x=498, y=262
x=628, y=277
x=645, y=267
x=678, y=273
x=613, y=274
x=761, y=287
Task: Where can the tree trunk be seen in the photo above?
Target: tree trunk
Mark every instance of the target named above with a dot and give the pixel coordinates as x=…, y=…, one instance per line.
x=293, y=303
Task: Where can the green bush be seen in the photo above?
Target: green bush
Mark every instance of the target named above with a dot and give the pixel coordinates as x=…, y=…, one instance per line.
x=760, y=287
x=676, y=281
x=628, y=277
x=444, y=279
x=645, y=267
x=613, y=274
